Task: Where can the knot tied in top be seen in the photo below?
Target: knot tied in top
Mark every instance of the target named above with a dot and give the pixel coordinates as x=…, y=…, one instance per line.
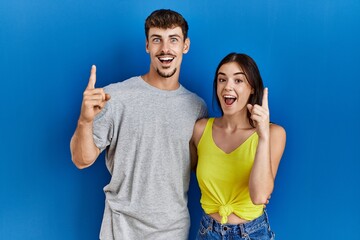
x=225, y=211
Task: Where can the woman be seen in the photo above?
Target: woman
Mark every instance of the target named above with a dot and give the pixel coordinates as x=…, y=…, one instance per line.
x=237, y=155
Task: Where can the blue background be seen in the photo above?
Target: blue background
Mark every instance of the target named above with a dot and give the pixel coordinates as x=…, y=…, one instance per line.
x=308, y=54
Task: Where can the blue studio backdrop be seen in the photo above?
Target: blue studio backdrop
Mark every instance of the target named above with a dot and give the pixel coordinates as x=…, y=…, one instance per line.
x=308, y=54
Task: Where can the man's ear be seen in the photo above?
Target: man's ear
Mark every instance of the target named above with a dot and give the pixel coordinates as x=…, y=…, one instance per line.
x=186, y=45
x=147, y=46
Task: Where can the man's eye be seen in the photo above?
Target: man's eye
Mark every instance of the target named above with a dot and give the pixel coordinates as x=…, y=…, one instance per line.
x=156, y=40
x=173, y=40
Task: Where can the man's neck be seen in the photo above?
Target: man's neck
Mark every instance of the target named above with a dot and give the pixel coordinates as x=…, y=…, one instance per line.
x=170, y=83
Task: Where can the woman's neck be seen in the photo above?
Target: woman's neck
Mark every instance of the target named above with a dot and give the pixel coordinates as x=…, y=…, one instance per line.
x=234, y=122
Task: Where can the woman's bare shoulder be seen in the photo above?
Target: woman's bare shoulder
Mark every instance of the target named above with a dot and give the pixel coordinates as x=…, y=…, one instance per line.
x=275, y=128
x=277, y=133
x=201, y=122
x=199, y=129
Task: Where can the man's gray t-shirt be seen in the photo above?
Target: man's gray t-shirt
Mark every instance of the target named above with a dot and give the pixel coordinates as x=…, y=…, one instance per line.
x=146, y=133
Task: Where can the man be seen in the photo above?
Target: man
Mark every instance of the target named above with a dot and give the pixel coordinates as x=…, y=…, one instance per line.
x=145, y=124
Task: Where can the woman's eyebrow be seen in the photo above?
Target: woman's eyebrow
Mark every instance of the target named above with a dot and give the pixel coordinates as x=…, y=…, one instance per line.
x=237, y=73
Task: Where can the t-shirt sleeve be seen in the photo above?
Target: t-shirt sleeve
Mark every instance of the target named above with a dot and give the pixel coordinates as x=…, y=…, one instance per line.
x=103, y=127
x=203, y=113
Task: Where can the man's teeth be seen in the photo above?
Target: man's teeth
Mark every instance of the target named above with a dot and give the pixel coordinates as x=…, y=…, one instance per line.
x=166, y=58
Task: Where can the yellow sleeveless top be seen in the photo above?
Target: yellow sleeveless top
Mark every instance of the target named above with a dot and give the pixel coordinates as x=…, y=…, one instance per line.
x=224, y=178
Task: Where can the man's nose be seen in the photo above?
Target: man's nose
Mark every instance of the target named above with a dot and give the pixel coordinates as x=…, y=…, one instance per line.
x=165, y=47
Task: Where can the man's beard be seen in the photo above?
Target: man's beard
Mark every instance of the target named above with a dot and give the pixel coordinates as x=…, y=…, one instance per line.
x=164, y=75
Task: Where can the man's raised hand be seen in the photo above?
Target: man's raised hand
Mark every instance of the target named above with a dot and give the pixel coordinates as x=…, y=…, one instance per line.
x=94, y=99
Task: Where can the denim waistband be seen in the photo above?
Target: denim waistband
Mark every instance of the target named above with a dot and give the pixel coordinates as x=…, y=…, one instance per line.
x=244, y=228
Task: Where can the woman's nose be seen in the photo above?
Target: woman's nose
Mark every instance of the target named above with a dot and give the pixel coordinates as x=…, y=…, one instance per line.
x=228, y=86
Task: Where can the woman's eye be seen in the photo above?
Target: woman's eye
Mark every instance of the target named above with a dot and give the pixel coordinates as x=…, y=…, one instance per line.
x=221, y=80
x=238, y=80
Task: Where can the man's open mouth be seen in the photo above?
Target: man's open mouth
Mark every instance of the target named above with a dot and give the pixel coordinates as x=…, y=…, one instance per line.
x=166, y=60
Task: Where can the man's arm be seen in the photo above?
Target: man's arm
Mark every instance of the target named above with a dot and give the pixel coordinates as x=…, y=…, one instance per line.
x=197, y=133
x=84, y=152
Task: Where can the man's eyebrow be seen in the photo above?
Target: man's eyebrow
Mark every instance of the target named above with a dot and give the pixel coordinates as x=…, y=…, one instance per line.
x=175, y=35
x=159, y=36
x=155, y=35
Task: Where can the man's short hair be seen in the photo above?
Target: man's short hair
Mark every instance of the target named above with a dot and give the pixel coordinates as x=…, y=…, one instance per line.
x=166, y=18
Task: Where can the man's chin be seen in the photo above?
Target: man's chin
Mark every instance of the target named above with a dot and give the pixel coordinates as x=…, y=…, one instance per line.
x=166, y=74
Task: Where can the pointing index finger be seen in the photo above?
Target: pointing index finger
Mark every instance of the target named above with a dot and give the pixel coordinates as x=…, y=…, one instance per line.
x=92, y=79
x=265, y=102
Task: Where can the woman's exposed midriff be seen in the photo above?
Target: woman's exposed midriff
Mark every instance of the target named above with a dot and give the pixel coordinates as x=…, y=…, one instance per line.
x=232, y=218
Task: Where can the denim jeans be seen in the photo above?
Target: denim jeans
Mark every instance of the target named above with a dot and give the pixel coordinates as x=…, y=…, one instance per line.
x=257, y=229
